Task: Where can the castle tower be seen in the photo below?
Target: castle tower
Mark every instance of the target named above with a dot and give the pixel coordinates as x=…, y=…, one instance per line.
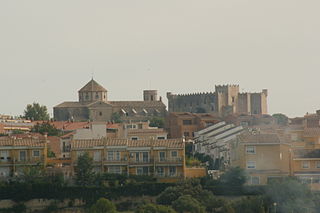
x=227, y=96
x=150, y=95
x=92, y=92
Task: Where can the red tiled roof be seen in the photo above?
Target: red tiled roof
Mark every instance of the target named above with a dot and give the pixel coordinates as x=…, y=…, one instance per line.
x=22, y=142
x=259, y=138
x=66, y=125
x=170, y=143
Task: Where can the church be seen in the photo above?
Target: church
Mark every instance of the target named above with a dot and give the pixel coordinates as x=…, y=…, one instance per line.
x=93, y=105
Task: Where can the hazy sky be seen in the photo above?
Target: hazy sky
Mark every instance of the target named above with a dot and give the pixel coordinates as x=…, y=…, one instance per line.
x=48, y=49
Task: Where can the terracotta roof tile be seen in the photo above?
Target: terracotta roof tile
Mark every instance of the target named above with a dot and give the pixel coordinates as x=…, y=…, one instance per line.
x=133, y=104
x=22, y=142
x=260, y=138
x=92, y=86
x=169, y=143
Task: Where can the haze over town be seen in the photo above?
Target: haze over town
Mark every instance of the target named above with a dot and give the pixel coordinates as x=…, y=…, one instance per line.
x=49, y=50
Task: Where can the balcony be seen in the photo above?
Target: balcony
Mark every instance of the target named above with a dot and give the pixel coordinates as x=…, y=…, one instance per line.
x=169, y=160
x=113, y=161
x=141, y=161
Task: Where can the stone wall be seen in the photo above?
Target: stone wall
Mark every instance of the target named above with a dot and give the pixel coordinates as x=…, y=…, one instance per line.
x=197, y=102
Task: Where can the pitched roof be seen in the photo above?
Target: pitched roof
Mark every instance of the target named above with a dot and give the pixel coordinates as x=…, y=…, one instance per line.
x=22, y=142
x=92, y=86
x=133, y=104
x=70, y=104
x=170, y=143
x=260, y=138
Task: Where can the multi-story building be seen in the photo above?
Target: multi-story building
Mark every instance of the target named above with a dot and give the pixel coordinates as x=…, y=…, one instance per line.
x=306, y=166
x=186, y=124
x=163, y=159
x=136, y=131
x=94, y=105
x=263, y=156
x=16, y=154
x=225, y=100
x=216, y=140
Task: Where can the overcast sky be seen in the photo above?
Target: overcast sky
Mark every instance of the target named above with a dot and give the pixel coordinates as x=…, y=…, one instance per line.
x=49, y=49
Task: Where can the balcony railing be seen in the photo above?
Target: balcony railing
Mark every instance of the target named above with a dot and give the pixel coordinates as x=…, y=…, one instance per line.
x=168, y=160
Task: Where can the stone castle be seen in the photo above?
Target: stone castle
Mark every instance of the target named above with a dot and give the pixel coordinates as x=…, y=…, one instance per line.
x=225, y=100
x=94, y=105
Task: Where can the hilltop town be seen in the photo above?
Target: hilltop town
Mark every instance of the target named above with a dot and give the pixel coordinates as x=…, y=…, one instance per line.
x=204, y=137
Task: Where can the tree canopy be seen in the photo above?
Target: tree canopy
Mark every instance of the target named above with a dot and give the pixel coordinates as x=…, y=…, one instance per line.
x=157, y=122
x=36, y=112
x=153, y=208
x=281, y=119
x=103, y=205
x=46, y=127
x=84, y=170
x=186, y=203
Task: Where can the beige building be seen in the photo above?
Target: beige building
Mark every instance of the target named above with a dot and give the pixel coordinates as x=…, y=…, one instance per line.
x=263, y=156
x=136, y=131
x=94, y=105
x=163, y=159
x=17, y=154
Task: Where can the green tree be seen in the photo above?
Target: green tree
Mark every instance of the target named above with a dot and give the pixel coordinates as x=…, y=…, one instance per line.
x=281, y=119
x=46, y=127
x=103, y=205
x=84, y=170
x=186, y=203
x=234, y=177
x=153, y=208
x=290, y=196
x=157, y=122
x=36, y=112
x=189, y=187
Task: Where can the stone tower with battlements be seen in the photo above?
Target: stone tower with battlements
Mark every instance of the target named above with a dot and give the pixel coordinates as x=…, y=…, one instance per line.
x=225, y=100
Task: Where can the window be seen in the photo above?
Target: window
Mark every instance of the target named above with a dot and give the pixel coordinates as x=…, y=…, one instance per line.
x=187, y=122
x=145, y=157
x=161, y=138
x=186, y=134
x=4, y=156
x=162, y=156
x=233, y=99
x=134, y=138
x=100, y=113
x=251, y=149
x=22, y=155
x=137, y=156
x=251, y=165
x=305, y=165
x=117, y=155
x=80, y=153
x=174, y=154
x=114, y=169
x=172, y=171
x=318, y=164
x=97, y=95
x=142, y=170
x=255, y=180
x=160, y=171
x=36, y=153
x=97, y=156
x=110, y=155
